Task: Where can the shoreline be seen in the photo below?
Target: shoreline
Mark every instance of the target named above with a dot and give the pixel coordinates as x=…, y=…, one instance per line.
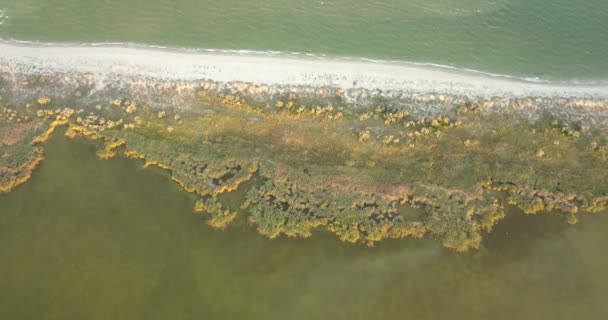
x=306, y=55
x=364, y=164
x=280, y=69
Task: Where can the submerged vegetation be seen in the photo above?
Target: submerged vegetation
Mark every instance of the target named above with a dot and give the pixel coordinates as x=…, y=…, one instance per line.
x=297, y=161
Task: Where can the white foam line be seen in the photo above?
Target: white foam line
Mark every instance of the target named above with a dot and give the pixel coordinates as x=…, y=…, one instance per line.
x=275, y=68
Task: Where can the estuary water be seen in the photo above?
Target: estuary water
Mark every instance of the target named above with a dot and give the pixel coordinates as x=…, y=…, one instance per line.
x=549, y=39
x=92, y=239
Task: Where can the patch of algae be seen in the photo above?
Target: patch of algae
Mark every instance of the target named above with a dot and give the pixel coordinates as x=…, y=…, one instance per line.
x=364, y=174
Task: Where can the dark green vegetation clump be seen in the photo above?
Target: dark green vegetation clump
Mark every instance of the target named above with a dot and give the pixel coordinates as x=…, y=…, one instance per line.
x=294, y=164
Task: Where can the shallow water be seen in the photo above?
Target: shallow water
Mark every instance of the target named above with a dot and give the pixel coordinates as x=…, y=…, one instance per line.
x=91, y=239
x=559, y=39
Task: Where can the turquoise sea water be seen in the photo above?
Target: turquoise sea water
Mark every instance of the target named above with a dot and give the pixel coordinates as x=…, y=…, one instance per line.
x=550, y=39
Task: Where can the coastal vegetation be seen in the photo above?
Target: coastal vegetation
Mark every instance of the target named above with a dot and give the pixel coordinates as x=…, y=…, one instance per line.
x=308, y=160
x=19, y=155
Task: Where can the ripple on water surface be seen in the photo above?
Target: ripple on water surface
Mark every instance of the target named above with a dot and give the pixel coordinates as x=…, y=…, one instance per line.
x=561, y=40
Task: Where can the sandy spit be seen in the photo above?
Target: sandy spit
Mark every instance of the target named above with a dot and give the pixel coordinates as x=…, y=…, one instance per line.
x=118, y=61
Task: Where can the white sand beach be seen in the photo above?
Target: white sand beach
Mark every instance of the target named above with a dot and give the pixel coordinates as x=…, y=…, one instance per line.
x=116, y=61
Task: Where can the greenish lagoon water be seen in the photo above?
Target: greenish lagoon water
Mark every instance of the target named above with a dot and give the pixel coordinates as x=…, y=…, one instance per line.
x=92, y=239
x=553, y=39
